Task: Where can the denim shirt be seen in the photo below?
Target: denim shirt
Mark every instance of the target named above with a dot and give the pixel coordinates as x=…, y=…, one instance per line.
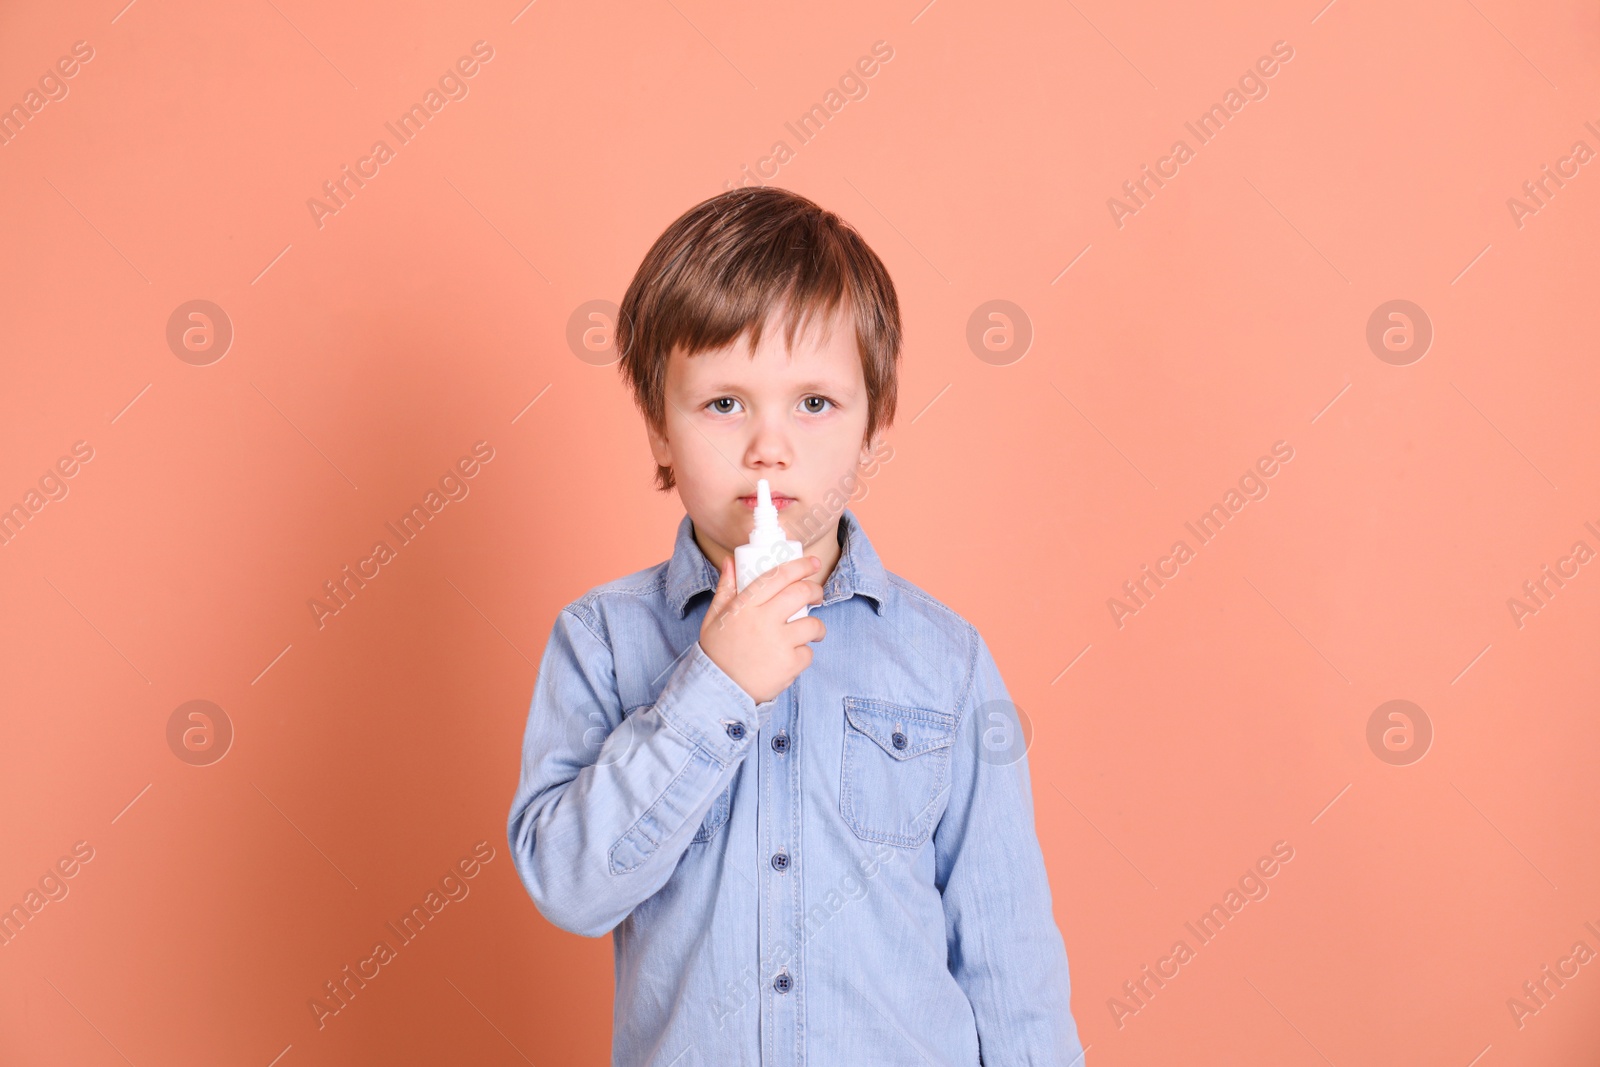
x=845, y=875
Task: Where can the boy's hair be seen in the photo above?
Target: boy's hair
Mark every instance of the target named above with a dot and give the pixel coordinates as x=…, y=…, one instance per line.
x=725, y=264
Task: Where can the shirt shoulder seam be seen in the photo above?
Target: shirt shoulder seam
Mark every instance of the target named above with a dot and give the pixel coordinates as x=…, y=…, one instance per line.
x=964, y=627
x=972, y=673
x=584, y=606
x=579, y=609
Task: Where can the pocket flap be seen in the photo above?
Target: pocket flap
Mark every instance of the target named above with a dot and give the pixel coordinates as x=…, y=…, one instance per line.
x=922, y=729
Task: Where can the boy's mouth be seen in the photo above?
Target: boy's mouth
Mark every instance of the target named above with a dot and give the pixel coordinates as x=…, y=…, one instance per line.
x=778, y=501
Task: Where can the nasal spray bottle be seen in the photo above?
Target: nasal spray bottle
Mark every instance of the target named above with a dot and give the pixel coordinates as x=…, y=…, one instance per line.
x=768, y=547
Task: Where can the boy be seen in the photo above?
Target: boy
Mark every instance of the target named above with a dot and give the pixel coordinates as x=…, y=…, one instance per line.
x=803, y=835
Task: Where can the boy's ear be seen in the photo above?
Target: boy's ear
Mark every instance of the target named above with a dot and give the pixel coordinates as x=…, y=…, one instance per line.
x=660, y=447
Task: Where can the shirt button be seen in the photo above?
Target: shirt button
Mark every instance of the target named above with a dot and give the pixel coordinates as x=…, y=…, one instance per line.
x=780, y=744
x=736, y=730
x=780, y=861
x=899, y=739
x=783, y=983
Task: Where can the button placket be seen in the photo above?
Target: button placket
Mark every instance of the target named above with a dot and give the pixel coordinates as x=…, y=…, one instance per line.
x=779, y=814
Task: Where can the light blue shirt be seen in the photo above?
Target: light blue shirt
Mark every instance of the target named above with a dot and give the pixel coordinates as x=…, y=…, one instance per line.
x=844, y=876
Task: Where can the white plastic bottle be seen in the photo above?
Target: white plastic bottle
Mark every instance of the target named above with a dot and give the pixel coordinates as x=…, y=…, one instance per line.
x=769, y=546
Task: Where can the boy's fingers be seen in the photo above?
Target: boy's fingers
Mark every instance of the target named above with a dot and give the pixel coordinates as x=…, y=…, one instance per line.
x=821, y=627
x=778, y=578
x=796, y=595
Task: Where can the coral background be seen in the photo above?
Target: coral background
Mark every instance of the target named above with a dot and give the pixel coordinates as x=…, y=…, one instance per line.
x=1171, y=348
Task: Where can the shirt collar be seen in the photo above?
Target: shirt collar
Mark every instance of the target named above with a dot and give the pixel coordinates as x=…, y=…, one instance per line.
x=858, y=571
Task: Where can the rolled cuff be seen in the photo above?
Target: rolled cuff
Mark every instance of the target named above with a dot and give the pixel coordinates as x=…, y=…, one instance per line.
x=702, y=703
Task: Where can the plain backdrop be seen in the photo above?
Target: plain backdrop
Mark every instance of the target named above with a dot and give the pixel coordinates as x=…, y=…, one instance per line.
x=1440, y=861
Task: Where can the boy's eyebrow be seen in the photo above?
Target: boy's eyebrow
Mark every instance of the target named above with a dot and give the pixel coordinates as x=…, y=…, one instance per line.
x=825, y=387
x=804, y=387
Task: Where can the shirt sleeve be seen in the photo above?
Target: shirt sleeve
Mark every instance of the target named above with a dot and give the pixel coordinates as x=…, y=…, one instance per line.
x=1004, y=948
x=607, y=804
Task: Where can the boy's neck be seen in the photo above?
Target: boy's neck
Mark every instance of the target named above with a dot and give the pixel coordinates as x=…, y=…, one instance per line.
x=826, y=548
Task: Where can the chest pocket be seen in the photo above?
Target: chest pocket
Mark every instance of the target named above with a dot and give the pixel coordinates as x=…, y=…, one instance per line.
x=714, y=818
x=895, y=767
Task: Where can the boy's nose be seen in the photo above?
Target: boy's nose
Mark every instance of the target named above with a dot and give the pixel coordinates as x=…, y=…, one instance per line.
x=768, y=448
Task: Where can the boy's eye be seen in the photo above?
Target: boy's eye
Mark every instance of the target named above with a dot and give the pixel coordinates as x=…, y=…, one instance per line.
x=820, y=400
x=719, y=401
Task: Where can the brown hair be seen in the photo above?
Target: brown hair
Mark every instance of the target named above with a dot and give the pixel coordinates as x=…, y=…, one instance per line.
x=725, y=264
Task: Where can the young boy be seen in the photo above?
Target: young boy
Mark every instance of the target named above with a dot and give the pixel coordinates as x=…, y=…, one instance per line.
x=812, y=841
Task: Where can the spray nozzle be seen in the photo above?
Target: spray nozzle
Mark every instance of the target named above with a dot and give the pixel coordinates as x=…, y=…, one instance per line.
x=766, y=528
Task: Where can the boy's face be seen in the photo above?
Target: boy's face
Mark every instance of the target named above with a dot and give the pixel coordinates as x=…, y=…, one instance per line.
x=796, y=419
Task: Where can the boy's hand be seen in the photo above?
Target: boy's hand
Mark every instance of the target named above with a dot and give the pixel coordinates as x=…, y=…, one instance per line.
x=748, y=634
